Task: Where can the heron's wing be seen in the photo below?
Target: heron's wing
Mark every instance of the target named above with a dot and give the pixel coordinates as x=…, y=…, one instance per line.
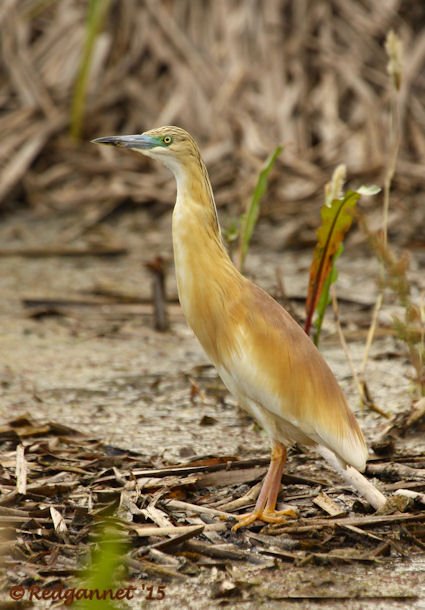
x=275, y=365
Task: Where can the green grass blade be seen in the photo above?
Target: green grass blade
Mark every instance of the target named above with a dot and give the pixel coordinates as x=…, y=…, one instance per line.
x=105, y=569
x=325, y=299
x=251, y=216
x=336, y=219
x=335, y=222
x=96, y=14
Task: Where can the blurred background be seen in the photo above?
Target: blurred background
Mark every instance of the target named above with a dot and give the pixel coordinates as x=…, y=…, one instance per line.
x=241, y=75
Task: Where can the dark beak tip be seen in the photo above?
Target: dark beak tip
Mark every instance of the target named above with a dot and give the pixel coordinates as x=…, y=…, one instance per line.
x=107, y=140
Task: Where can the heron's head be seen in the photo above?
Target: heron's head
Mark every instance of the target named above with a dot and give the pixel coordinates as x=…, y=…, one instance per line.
x=171, y=145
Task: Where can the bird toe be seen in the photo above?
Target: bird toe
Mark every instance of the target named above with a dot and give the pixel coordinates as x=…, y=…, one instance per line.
x=266, y=515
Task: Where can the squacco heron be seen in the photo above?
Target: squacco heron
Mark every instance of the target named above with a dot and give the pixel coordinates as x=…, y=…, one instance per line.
x=263, y=357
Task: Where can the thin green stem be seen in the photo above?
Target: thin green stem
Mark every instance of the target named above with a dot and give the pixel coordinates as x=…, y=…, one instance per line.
x=97, y=12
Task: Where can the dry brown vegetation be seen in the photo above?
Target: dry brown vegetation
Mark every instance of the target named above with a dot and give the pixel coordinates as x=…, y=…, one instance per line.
x=164, y=511
x=242, y=77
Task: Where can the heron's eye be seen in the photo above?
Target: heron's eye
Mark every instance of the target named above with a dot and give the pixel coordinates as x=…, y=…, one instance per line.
x=167, y=140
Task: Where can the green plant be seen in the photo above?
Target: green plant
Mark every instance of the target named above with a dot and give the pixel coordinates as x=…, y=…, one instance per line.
x=336, y=219
x=105, y=570
x=250, y=217
x=97, y=11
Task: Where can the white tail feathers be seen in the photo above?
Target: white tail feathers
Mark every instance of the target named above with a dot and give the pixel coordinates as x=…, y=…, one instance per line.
x=353, y=477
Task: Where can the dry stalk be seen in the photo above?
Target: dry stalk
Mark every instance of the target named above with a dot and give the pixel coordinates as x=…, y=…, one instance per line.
x=361, y=387
x=394, y=50
x=371, y=333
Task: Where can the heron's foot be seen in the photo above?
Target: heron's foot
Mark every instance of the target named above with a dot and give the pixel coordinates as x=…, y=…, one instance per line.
x=267, y=515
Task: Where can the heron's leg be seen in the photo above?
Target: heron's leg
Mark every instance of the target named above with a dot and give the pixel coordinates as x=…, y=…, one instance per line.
x=265, y=507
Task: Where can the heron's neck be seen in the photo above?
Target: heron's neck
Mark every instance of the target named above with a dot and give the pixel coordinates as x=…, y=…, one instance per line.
x=206, y=277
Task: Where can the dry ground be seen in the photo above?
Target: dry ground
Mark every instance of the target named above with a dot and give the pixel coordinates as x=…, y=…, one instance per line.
x=77, y=356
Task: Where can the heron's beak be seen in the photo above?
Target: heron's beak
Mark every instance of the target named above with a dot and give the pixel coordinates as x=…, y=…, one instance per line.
x=137, y=142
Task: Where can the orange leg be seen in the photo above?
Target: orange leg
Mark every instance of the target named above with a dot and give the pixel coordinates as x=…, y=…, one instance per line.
x=265, y=507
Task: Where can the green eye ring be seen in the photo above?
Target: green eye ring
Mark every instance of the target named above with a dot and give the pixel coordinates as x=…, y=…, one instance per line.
x=167, y=140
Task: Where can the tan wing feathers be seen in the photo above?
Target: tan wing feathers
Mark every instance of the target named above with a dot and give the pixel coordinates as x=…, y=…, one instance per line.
x=277, y=366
